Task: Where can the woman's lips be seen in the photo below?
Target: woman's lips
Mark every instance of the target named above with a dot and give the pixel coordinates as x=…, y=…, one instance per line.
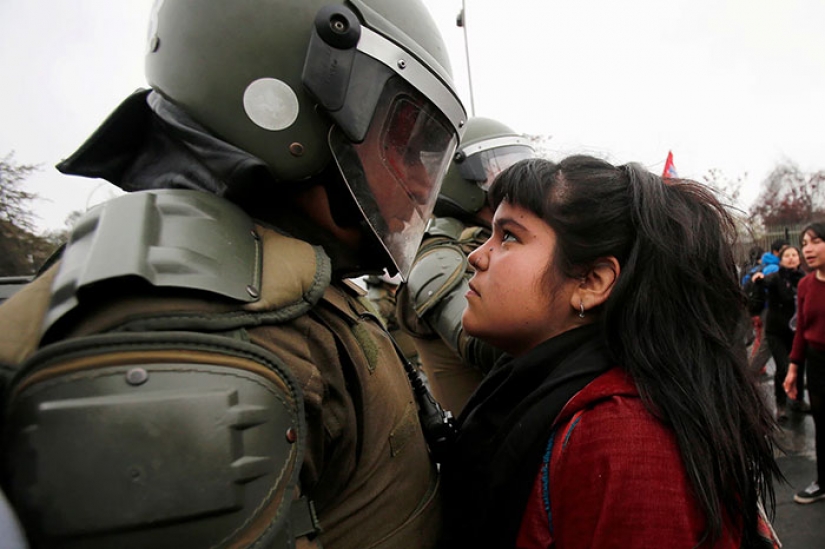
x=473, y=290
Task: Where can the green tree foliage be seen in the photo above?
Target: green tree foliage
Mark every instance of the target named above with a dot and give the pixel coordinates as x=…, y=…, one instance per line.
x=21, y=250
x=790, y=196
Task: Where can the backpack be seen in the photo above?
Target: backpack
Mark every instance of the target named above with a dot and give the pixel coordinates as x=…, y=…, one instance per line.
x=757, y=298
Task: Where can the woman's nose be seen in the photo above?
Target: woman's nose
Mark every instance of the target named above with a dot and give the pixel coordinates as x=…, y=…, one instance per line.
x=478, y=257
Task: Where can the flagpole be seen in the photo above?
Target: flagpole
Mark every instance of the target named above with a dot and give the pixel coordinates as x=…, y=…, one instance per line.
x=461, y=22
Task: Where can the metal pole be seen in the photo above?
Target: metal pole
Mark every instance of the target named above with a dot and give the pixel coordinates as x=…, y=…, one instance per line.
x=462, y=22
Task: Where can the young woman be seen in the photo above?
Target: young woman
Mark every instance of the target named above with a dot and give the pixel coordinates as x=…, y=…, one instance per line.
x=623, y=414
x=809, y=348
x=778, y=290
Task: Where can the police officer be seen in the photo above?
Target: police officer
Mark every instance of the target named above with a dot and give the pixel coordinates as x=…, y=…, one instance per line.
x=195, y=372
x=430, y=305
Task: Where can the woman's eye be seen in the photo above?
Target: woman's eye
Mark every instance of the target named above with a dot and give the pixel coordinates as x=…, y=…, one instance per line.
x=507, y=236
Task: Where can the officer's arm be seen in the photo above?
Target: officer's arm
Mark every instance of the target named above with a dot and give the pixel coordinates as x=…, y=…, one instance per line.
x=437, y=286
x=478, y=353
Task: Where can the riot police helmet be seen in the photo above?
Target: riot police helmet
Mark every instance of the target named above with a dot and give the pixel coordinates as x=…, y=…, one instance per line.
x=365, y=84
x=487, y=148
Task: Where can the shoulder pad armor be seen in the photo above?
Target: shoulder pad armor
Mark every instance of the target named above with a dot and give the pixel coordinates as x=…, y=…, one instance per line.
x=168, y=238
x=474, y=236
x=196, y=437
x=445, y=226
x=434, y=274
x=199, y=242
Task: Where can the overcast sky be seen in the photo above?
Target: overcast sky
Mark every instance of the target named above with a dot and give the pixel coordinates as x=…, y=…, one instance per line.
x=737, y=85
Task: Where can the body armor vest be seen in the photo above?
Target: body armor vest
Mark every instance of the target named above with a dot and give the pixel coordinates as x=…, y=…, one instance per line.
x=169, y=388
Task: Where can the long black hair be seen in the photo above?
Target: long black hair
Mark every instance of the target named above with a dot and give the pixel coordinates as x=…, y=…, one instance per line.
x=671, y=320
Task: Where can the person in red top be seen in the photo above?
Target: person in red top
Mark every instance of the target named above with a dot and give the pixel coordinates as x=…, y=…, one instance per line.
x=622, y=413
x=634, y=476
x=809, y=348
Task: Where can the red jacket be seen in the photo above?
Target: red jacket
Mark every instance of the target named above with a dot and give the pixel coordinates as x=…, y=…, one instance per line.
x=616, y=479
x=810, y=318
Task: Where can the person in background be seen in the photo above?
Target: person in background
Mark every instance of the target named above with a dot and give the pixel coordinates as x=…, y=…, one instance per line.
x=777, y=292
x=431, y=303
x=768, y=261
x=809, y=348
x=755, y=253
x=622, y=412
x=197, y=369
x=760, y=353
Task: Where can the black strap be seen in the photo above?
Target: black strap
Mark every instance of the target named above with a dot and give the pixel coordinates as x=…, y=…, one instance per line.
x=304, y=519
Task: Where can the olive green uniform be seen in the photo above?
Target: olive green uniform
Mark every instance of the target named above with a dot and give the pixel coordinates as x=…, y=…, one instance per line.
x=383, y=296
x=365, y=466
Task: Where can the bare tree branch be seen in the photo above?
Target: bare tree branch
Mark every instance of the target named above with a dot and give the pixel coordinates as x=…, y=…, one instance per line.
x=14, y=201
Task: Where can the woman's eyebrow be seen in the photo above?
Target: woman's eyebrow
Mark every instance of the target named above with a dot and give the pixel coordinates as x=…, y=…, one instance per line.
x=508, y=223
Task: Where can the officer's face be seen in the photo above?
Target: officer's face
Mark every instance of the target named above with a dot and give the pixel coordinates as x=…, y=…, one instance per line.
x=395, y=173
x=401, y=158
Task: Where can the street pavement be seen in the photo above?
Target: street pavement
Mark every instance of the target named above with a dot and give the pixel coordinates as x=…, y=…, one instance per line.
x=798, y=526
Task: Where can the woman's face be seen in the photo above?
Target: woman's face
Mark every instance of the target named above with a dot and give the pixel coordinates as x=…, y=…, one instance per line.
x=813, y=248
x=790, y=258
x=510, y=303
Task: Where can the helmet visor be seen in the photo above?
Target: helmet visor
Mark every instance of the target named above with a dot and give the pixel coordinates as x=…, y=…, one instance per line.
x=395, y=173
x=483, y=167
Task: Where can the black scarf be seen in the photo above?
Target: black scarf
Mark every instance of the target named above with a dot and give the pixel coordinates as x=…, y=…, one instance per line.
x=503, y=432
x=149, y=143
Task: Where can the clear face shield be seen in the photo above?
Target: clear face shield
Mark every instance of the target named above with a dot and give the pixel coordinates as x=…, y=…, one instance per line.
x=396, y=127
x=482, y=166
x=395, y=173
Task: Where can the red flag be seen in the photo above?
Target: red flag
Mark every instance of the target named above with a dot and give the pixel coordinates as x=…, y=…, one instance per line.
x=670, y=168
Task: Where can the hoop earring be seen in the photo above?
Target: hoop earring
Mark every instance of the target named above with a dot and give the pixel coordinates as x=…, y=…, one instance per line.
x=581, y=309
